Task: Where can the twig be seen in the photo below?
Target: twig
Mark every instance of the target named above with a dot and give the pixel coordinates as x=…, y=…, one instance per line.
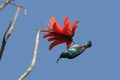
x=4, y=43
x=6, y=2
x=30, y=68
x=9, y=32
x=13, y=3
x=34, y=58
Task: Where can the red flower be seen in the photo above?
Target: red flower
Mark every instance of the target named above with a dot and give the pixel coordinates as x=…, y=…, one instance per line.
x=59, y=34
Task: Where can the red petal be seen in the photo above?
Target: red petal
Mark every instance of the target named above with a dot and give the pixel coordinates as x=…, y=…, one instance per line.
x=48, y=34
x=52, y=20
x=57, y=29
x=52, y=39
x=67, y=23
x=68, y=43
x=49, y=25
x=56, y=38
x=74, y=26
x=54, y=44
x=66, y=28
x=65, y=20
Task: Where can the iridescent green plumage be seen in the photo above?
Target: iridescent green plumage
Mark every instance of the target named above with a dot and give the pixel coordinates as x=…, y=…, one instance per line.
x=74, y=51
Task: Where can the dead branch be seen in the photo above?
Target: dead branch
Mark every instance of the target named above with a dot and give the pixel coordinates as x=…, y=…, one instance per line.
x=9, y=32
x=34, y=57
x=11, y=26
x=30, y=68
x=13, y=3
x=6, y=2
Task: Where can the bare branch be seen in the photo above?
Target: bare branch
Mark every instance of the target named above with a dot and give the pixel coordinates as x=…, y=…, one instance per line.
x=13, y=3
x=4, y=42
x=34, y=58
x=6, y=2
x=8, y=32
x=30, y=68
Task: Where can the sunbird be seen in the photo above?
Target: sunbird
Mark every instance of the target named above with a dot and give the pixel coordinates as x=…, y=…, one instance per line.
x=74, y=51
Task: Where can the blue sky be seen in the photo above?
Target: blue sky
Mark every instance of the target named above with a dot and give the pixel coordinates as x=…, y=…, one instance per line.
x=99, y=22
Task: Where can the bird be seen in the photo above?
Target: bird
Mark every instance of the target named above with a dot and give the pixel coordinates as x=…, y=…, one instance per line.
x=74, y=51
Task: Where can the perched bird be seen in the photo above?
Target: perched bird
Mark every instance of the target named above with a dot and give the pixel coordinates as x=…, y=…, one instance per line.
x=74, y=51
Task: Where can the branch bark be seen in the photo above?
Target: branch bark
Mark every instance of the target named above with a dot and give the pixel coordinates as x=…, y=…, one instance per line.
x=9, y=31
x=30, y=68
x=34, y=58
x=6, y=2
